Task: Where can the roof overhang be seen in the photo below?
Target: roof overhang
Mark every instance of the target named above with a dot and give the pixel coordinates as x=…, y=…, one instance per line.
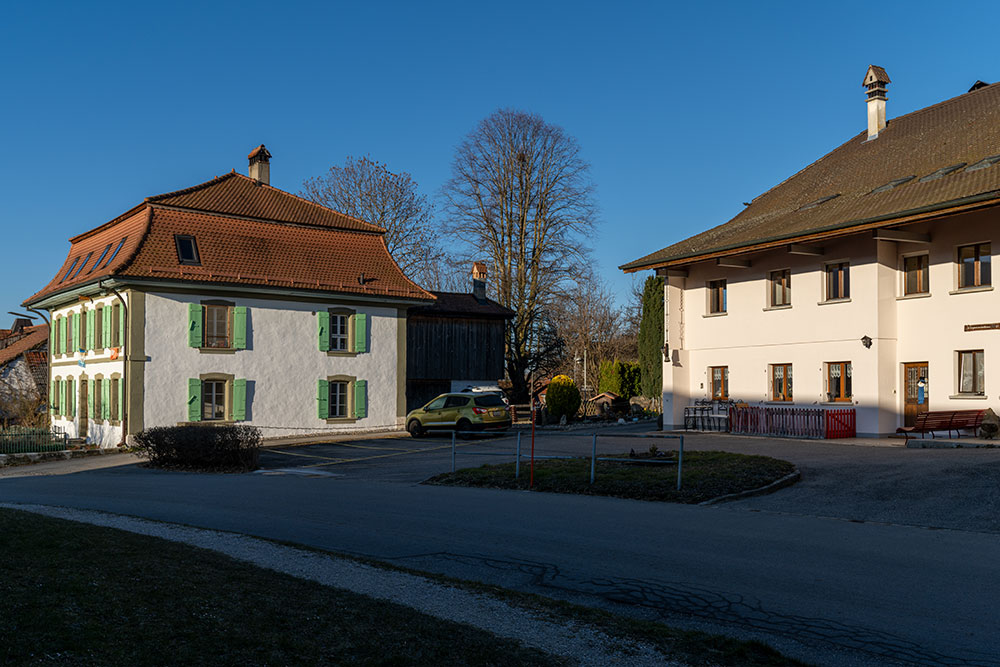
x=923, y=214
x=105, y=286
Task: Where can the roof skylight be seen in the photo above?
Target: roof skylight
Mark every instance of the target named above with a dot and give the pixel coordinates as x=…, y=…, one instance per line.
x=103, y=253
x=70, y=269
x=892, y=184
x=115, y=253
x=814, y=204
x=77, y=272
x=187, y=249
x=985, y=162
x=943, y=171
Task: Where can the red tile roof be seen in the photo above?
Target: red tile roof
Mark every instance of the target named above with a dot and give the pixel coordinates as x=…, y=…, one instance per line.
x=247, y=234
x=36, y=335
x=959, y=131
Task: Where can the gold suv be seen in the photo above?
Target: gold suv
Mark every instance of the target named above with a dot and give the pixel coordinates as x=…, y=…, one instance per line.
x=460, y=412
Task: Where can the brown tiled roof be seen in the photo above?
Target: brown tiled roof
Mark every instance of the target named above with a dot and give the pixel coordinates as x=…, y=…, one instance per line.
x=247, y=234
x=38, y=335
x=461, y=304
x=964, y=129
x=239, y=195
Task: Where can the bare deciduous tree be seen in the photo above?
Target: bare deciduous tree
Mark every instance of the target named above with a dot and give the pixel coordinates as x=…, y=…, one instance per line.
x=364, y=188
x=520, y=194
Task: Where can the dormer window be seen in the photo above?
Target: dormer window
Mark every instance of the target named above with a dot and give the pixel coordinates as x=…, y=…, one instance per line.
x=984, y=163
x=103, y=253
x=70, y=269
x=77, y=272
x=115, y=253
x=187, y=250
x=943, y=171
x=892, y=184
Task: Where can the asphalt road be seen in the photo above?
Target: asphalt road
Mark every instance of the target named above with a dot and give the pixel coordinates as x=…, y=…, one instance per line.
x=829, y=590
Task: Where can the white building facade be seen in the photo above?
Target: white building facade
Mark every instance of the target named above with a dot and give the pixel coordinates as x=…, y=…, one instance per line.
x=845, y=286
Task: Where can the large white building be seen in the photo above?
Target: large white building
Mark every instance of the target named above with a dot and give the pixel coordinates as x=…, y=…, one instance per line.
x=864, y=279
x=231, y=301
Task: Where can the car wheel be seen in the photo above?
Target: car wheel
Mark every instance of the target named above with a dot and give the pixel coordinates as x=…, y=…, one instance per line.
x=464, y=428
x=415, y=428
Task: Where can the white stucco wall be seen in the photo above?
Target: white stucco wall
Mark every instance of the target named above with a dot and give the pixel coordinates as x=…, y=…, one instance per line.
x=282, y=364
x=95, y=363
x=750, y=336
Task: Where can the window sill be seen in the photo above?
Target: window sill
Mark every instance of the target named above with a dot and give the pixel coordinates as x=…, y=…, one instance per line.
x=907, y=297
x=218, y=350
x=341, y=353
x=786, y=307
x=341, y=420
x=837, y=403
x=968, y=397
x=779, y=402
x=209, y=422
x=972, y=290
x=833, y=301
x=723, y=314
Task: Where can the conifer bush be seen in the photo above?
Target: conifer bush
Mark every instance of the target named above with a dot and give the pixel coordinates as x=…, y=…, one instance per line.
x=562, y=397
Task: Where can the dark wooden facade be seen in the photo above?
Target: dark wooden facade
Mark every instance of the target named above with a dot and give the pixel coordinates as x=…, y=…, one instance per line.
x=458, y=338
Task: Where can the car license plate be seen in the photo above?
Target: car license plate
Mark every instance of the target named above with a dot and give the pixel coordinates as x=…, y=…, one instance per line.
x=497, y=413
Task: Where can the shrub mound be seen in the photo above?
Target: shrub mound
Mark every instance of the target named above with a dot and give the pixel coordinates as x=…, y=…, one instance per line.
x=562, y=397
x=212, y=448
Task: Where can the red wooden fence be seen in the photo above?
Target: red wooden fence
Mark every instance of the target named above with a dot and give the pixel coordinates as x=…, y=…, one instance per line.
x=793, y=422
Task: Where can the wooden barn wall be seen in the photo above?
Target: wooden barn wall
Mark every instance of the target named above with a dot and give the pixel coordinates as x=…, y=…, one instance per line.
x=454, y=349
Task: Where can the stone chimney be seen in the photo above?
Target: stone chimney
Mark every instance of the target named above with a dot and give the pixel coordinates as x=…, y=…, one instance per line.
x=260, y=165
x=874, y=83
x=479, y=281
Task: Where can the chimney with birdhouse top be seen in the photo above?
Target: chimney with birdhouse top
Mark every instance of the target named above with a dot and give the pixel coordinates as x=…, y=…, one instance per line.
x=874, y=83
x=260, y=165
x=479, y=281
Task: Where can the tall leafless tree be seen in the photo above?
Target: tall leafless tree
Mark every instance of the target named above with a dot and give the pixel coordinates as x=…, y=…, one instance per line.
x=520, y=194
x=366, y=189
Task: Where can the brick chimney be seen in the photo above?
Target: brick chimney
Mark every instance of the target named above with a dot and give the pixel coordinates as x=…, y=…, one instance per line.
x=479, y=281
x=260, y=165
x=874, y=83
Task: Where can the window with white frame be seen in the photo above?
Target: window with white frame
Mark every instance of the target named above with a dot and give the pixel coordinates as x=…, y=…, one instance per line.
x=971, y=372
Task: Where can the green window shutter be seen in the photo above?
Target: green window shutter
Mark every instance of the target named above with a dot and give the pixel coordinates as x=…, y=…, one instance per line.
x=194, y=400
x=239, y=399
x=106, y=326
x=71, y=397
x=62, y=334
x=121, y=399
x=240, y=327
x=121, y=327
x=323, y=330
x=106, y=399
x=360, y=399
x=77, y=319
x=323, y=399
x=195, y=319
x=360, y=332
x=90, y=399
x=52, y=396
x=90, y=329
x=52, y=338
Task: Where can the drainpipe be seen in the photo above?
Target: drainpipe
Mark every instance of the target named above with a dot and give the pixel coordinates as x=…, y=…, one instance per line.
x=125, y=358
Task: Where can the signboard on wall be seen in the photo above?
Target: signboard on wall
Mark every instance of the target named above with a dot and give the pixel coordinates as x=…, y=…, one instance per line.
x=982, y=327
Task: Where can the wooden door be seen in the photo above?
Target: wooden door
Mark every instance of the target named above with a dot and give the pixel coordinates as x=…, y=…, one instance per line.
x=916, y=401
x=82, y=409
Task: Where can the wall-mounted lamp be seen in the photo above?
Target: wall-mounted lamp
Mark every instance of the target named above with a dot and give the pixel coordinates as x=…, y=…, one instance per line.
x=866, y=341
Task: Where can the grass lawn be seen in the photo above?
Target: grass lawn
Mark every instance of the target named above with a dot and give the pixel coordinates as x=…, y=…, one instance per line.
x=87, y=595
x=74, y=594
x=705, y=475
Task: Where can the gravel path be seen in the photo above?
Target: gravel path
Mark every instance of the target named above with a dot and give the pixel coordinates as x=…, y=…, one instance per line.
x=582, y=644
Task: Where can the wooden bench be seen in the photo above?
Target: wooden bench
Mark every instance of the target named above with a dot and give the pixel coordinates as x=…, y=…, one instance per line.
x=952, y=420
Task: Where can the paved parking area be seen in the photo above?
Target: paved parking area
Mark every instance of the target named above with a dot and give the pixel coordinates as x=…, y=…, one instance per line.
x=880, y=481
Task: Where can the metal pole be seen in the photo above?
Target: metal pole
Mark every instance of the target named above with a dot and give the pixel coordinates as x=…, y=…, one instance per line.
x=453, y=455
x=680, y=462
x=593, y=459
x=517, y=464
x=531, y=476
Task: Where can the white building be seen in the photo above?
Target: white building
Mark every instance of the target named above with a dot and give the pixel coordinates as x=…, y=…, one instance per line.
x=231, y=301
x=863, y=280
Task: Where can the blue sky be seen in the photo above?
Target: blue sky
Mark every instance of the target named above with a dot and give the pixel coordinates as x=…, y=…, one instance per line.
x=685, y=110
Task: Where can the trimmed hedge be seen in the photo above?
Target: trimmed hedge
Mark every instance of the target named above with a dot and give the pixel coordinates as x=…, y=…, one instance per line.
x=562, y=397
x=211, y=448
